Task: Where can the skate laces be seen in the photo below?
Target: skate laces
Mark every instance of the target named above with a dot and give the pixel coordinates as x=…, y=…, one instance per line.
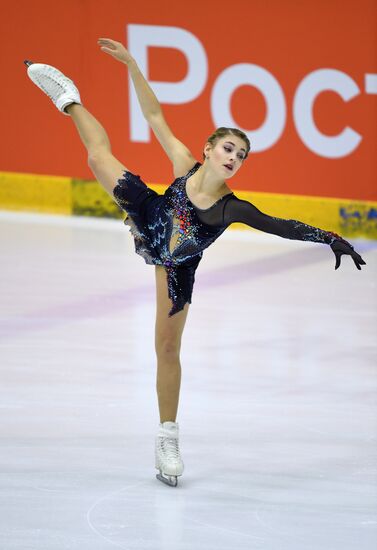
x=170, y=448
x=56, y=85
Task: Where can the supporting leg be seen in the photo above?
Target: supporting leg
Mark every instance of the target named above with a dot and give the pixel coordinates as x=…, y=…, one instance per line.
x=168, y=335
x=168, y=343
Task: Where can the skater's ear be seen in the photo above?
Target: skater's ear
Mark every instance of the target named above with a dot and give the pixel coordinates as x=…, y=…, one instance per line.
x=206, y=150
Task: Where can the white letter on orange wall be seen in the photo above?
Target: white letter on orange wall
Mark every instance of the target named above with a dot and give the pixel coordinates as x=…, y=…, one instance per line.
x=140, y=38
x=371, y=83
x=246, y=74
x=310, y=87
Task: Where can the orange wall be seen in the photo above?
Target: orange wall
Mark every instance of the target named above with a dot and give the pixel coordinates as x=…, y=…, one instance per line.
x=290, y=40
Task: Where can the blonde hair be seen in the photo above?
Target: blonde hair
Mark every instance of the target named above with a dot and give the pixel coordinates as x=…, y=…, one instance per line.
x=223, y=132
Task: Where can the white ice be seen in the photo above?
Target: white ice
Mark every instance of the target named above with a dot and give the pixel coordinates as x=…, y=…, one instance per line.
x=278, y=409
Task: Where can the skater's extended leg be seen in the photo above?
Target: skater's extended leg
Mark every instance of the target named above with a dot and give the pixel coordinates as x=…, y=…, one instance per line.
x=66, y=97
x=168, y=334
x=106, y=168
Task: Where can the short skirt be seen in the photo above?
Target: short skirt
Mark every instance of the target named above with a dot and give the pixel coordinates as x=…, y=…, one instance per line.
x=141, y=205
x=145, y=212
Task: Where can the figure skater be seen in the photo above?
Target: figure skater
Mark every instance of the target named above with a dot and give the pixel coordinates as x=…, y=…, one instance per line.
x=171, y=231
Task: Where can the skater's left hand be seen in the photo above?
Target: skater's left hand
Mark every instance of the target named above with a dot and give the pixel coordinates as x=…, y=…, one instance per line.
x=344, y=247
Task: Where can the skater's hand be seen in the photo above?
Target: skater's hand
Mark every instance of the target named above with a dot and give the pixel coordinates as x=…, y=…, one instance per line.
x=115, y=49
x=344, y=247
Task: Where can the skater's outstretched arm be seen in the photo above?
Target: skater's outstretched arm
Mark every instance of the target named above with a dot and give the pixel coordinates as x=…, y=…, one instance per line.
x=236, y=210
x=178, y=153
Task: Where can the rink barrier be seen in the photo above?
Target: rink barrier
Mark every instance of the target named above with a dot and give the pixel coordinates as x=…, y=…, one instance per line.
x=70, y=196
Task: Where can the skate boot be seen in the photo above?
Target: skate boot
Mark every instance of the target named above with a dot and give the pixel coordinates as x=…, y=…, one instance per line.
x=168, y=458
x=60, y=89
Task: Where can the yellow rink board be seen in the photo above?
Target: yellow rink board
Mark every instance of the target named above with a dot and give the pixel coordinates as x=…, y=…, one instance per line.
x=69, y=196
x=35, y=193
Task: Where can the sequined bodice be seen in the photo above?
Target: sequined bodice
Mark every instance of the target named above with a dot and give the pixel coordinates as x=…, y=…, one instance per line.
x=185, y=235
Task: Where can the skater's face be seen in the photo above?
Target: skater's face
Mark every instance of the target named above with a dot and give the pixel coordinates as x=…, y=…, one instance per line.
x=227, y=156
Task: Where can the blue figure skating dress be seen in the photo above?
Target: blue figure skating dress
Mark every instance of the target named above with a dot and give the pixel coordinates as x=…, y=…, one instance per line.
x=170, y=231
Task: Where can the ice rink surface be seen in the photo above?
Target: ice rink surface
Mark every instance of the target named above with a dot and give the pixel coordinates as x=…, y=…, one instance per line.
x=278, y=408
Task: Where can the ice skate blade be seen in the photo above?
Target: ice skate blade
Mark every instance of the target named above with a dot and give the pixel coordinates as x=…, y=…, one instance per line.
x=172, y=481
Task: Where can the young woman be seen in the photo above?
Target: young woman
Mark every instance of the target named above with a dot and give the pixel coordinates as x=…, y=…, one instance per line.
x=172, y=230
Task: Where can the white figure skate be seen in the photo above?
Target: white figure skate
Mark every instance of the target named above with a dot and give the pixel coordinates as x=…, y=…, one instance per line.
x=60, y=89
x=168, y=458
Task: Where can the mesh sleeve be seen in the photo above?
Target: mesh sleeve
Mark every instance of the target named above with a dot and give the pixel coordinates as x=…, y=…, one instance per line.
x=237, y=210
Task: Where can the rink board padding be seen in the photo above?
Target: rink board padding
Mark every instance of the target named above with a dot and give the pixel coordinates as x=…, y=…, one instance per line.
x=70, y=196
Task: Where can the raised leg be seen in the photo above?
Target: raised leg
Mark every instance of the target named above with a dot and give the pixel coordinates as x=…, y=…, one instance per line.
x=66, y=97
x=168, y=335
x=106, y=168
